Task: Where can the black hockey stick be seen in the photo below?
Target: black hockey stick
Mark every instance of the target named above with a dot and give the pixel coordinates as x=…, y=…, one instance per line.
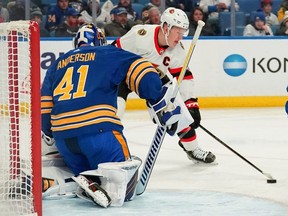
x=161, y=131
x=235, y=152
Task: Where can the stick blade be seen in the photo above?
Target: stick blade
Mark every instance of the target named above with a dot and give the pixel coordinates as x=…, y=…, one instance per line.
x=269, y=176
x=140, y=188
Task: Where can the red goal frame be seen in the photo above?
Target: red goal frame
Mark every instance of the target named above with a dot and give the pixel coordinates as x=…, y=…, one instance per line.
x=35, y=109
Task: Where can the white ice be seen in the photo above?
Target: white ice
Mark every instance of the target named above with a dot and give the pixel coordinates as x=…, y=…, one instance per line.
x=233, y=187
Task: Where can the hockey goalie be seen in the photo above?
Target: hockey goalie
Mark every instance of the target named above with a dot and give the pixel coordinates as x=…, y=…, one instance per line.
x=116, y=179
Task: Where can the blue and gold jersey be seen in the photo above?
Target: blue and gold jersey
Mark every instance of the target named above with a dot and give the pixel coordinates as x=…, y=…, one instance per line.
x=79, y=92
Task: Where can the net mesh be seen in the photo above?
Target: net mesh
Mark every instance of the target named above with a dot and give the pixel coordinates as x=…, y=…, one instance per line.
x=15, y=120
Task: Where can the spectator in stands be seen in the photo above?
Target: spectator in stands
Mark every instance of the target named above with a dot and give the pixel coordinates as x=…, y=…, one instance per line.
x=120, y=24
x=56, y=15
x=258, y=27
x=132, y=15
x=103, y=17
x=212, y=8
x=281, y=11
x=36, y=15
x=37, y=3
x=271, y=18
x=196, y=15
x=70, y=26
x=283, y=30
x=145, y=14
x=154, y=16
x=16, y=10
x=4, y=14
x=184, y=5
x=150, y=15
x=190, y=4
x=76, y=4
x=107, y=6
x=156, y=3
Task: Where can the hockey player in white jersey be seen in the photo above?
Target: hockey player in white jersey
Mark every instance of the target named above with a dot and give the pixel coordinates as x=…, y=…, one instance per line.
x=161, y=45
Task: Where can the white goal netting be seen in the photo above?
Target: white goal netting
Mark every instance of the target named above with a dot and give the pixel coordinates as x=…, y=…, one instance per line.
x=16, y=175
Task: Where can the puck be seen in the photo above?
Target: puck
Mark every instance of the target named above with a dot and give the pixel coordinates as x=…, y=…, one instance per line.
x=271, y=181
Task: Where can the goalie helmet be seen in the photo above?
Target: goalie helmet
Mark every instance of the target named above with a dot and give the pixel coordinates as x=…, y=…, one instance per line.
x=175, y=17
x=89, y=34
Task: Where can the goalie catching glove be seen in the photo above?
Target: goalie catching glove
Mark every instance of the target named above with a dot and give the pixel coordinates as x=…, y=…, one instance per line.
x=193, y=107
x=165, y=112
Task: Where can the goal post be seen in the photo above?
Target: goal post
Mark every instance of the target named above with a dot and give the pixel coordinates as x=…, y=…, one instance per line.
x=20, y=119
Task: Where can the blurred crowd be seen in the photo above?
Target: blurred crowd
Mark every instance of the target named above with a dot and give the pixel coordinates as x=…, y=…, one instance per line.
x=62, y=18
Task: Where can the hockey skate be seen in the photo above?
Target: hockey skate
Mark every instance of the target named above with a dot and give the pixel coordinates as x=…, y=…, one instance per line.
x=93, y=191
x=199, y=155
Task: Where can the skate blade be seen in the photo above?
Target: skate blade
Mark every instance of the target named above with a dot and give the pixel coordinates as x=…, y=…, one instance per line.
x=199, y=163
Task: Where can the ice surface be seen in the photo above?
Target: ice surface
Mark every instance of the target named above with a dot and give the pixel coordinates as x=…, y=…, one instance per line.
x=233, y=187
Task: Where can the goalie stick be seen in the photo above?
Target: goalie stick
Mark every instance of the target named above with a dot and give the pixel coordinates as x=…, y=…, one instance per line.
x=161, y=131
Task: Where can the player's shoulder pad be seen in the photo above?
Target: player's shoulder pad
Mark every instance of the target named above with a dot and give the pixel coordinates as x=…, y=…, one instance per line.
x=141, y=30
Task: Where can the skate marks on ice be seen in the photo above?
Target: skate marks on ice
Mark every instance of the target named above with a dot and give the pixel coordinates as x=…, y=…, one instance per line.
x=171, y=202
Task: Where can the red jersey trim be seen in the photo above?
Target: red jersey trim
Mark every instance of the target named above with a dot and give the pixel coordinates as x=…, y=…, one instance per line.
x=159, y=49
x=175, y=72
x=118, y=43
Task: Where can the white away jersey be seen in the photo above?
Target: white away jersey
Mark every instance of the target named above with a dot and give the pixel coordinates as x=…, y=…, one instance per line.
x=142, y=40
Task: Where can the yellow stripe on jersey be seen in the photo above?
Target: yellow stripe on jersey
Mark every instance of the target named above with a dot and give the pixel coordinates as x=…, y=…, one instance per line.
x=46, y=104
x=138, y=79
x=46, y=98
x=81, y=118
x=84, y=117
x=46, y=111
x=123, y=143
x=137, y=70
x=85, y=110
x=83, y=124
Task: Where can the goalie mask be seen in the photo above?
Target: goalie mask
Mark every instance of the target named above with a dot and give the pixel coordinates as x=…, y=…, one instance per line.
x=90, y=35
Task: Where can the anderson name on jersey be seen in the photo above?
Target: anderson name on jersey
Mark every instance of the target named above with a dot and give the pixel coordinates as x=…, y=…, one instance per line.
x=79, y=92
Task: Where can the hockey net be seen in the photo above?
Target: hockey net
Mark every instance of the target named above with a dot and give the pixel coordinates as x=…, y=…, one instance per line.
x=20, y=139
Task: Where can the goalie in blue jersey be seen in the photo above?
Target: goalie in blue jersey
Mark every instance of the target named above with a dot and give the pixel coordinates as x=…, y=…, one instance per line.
x=79, y=105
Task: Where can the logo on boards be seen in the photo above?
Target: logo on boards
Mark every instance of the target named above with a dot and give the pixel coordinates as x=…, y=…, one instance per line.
x=235, y=65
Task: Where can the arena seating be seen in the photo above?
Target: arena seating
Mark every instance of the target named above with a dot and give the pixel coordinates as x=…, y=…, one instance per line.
x=225, y=20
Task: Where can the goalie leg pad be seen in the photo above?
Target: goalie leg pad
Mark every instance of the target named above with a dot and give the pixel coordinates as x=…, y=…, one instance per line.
x=93, y=191
x=57, y=183
x=120, y=179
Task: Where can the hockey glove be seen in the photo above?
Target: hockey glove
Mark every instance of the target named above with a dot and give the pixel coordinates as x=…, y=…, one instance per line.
x=193, y=107
x=165, y=112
